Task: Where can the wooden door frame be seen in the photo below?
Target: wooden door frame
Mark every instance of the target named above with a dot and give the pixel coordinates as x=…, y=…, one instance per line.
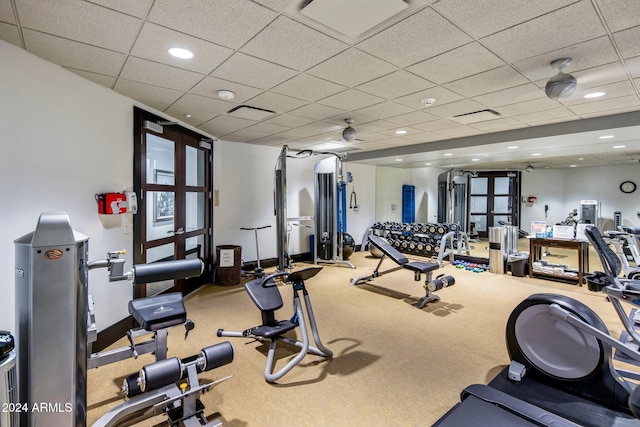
x=491, y=175
x=139, y=175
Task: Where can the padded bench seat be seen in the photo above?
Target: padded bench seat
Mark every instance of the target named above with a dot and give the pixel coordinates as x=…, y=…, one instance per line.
x=399, y=258
x=159, y=311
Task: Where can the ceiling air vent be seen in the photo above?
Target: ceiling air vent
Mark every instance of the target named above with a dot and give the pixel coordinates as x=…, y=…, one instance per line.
x=251, y=113
x=476, y=116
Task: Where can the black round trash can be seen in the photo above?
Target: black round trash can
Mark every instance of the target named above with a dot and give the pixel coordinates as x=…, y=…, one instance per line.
x=519, y=267
x=229, y=263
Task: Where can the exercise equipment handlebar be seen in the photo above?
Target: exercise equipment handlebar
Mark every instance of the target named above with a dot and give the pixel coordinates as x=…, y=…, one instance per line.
x=167, y=270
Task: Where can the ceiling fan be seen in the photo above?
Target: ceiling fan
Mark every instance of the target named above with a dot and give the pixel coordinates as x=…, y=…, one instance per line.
x=561, y=85
x=349, y=134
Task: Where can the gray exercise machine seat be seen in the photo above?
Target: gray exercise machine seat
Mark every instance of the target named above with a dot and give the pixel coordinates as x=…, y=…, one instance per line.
x=159, y=311
x=399, y=258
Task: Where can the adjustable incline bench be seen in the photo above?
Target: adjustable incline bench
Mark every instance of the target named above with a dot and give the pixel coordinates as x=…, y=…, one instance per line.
x=418, y=268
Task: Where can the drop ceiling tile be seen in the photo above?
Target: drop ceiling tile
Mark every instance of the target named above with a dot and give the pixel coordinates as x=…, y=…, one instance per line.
x=6, y=12
x=276, y=102
x=436, y=125
x=293, y=45
x=276, y=5
x=324, y=128
x=620, y=14
x=492, y=16
x=525, y=107
x=101, y=79
x=395, y=85
x=463, y=106
x=298, y=133
x=376, y=126
x=413, y=118
x=459, y=131
x=143, y=71
x=289, y=120
x=210, y=86
x=304, y=86
x=138, y=8
x=350, y=100
x=513, y=95
x=402, y=45
x=10, y=33
x=69, y=53
x=223, y=125
x=606, y=104
x=154, y=42
x=229, y=23
x=458, y=63
x=351, y=68
x=424, y=137
x=488, y=81
x=612, y=90
x=627, y=42
x=267, y=128
x=81, y=21
x=157, y=97
x=385, y=110
x=559, y=113
x=611, y=112
x=586, y=55
x=243, y=135
x=633, y=65
x=497, y=125
x=564, y=27
x=193, y=103
x=409, y=131
x=439, y=93
x=245, y=69
x=316, y=111
x=197, y=117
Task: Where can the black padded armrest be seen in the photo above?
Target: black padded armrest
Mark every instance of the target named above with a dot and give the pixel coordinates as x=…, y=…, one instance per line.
x=388, y=250
x=158, y=312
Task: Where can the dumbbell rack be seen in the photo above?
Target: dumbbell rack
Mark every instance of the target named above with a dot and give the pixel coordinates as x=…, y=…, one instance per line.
x=433, y=240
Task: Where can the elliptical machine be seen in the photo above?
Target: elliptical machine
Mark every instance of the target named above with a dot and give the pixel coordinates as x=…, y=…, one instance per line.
x=561, y=342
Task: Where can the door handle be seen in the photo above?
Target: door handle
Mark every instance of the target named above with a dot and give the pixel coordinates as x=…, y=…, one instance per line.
x=177, y=232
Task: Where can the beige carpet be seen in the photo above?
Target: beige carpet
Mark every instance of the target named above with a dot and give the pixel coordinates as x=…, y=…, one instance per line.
x=393, y=364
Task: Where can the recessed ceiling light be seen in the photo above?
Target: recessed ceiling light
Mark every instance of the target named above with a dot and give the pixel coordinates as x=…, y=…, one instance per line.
x=536, y=154
x=398, y=160
x=595, y=95
x=475, y=160
x=181, y=53
x=580, y=158
x=226, y=94
x=606, y=136
x=427, y=164
x=448, y=154
x=513, y=147
x=401, y=132
x=573, y=166
x=619, y=146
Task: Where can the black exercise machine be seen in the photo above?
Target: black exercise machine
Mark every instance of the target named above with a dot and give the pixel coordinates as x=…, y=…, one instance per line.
x=266, y=296
x=170, y=387
x=418, y=268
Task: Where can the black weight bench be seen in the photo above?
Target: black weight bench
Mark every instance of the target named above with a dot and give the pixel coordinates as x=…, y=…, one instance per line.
x=418, y=267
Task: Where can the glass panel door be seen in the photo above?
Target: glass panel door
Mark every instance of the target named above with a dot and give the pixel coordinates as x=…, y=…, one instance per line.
x=173, y=179
x=494, y=200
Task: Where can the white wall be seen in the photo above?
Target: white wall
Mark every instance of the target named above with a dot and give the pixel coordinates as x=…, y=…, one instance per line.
x=64, y=139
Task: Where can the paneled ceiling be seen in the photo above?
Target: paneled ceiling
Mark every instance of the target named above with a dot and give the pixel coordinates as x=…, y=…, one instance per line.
x=469, y=55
